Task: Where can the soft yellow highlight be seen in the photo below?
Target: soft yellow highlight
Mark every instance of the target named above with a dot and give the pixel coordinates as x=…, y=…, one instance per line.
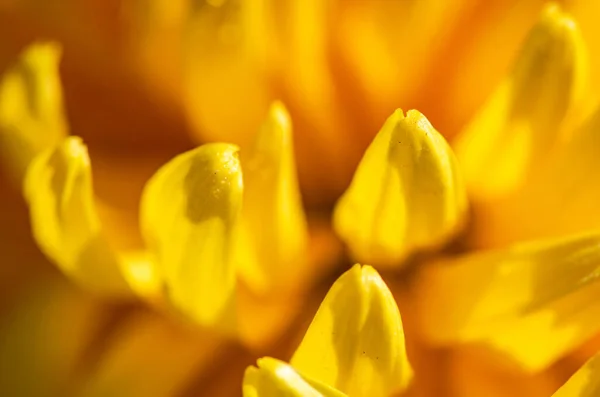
x=274, y=226
x=406, y=195
x=274, y=378
x=512, y=133
x=58, y=189
x=534, y=302
x=585, y=382
x=31, y=106
x=188, y=214
x=355, y=343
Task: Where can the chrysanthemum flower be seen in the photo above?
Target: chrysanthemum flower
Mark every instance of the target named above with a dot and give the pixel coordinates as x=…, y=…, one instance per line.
x=488, y=242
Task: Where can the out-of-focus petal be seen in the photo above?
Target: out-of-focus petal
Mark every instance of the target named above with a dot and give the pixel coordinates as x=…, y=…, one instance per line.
x=512, y=133
x=406, y=195
x=31, y=106
x=486, y=39
x=274, y=225
x=355, y=343
x=189, y=212
x=544, y=336
x=58, y=189
x=533, y=302
x=274, y=378
x=585, y=382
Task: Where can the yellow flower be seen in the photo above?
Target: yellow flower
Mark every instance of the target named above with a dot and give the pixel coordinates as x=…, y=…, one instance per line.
x=201, y=259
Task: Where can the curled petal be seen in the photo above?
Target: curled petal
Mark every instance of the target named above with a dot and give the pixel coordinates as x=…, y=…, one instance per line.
x=533, y=302
x=512, y=133
x=65, y=224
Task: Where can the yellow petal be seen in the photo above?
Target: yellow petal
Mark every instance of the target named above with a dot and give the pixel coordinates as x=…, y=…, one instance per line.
x=58, y=189
x=272, y=205
x=585, y=382
x=486, y=40
x=189, y=211
x=355, y=343
x=31, y=106
x=522, y=120
x=274, y=378
x=538, y=339
x=517, y=299
x=406, y=194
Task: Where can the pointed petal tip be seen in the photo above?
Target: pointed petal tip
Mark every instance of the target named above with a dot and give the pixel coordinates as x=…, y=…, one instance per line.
x=44, y=51
x=557, y=25
x=370, y=276
x=274, y=259
x=554, y=14
x=398, y=114
x=368, y=355
x=406, y=195
x=276, y=132
x=554, y=41
x=75, y=149
x=279, y=111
